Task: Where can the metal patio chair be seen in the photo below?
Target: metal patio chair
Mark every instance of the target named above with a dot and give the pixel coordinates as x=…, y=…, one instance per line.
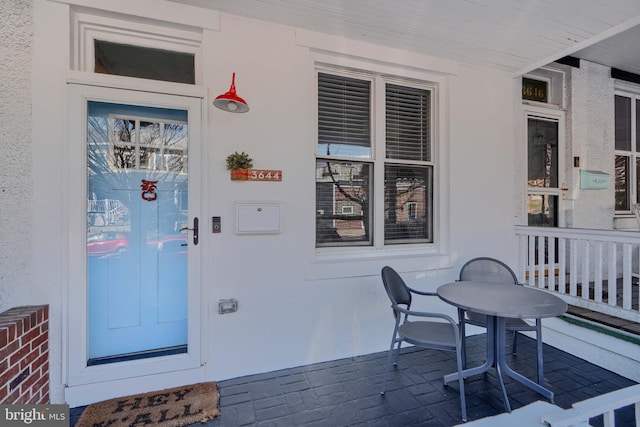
x=491, y=270
x=440, y=332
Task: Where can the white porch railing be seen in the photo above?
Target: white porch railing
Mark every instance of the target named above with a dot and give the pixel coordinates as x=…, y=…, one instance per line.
x=594, y=269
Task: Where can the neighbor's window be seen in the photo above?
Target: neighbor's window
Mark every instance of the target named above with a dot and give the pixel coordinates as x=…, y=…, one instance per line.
x=348, y=155
x=627, y=146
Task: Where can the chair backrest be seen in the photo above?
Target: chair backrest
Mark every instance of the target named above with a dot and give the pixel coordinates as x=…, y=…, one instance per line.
x=396, y=288
x=485, y=269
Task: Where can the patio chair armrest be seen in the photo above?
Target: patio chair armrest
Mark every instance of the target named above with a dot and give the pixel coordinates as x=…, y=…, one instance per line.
x=426, y=293
x=425, y=314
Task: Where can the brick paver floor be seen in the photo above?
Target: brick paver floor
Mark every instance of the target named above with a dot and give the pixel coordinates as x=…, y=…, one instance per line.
x=346, y=392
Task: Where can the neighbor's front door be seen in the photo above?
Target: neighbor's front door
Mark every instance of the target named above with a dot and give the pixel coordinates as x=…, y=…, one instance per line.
x=544, y=185
x=141, y=193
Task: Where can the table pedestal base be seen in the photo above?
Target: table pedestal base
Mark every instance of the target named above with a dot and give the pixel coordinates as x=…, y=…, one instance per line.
x=496, y=343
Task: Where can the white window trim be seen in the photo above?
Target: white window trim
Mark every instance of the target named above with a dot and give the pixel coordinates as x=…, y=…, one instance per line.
x=87, y=28
x=347, y=209
x=357, y=261
x=632, y=91
x=555, y=77
x=86, y=384
x=551, y=114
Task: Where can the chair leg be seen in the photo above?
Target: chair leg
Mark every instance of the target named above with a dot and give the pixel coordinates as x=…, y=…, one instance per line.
x=514, y=346
x=463, y=337
x=539, y=351
x=463, y=400
x=388, y=364
x=397, y=355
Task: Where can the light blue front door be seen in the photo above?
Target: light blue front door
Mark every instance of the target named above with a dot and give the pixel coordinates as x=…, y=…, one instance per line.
x=137, y=245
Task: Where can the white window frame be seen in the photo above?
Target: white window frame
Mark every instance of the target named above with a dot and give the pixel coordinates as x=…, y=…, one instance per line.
x=329, y=262
x=552, y=115
x=410, y=205
x=378, y=159
x=632, y=92
x=87, y=28
x=347, y=209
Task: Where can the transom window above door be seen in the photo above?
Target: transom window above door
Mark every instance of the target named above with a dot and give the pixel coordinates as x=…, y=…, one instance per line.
x=143, y=62
x=120, y=46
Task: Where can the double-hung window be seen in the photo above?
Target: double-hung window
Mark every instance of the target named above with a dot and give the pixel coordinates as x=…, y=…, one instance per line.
x=375, y=154
x=627, y=151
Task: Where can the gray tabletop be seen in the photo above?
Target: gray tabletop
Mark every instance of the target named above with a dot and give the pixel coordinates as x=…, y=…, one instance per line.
x=502, y=300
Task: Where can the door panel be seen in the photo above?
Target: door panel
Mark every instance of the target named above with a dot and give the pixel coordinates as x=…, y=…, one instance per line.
x=544, y=145
x=137, y=180
x=133, y=172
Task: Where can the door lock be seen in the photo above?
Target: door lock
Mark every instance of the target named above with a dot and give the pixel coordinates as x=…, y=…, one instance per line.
x=194, y=229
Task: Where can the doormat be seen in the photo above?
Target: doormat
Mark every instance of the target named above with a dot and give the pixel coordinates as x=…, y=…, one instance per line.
x=172, y=407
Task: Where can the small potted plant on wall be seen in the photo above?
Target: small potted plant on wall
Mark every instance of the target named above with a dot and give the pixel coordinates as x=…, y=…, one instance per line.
x=239, y=165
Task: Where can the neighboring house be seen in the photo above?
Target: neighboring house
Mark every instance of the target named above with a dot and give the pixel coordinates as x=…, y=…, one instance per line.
x=424, y=159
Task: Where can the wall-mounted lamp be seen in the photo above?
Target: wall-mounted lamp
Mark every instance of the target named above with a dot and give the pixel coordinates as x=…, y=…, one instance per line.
x=230, y=101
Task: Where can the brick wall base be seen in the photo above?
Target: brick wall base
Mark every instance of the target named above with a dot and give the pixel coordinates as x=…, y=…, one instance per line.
x=24, y=355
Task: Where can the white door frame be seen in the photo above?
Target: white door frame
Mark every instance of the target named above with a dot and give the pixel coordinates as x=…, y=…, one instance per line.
x=87, y=384
x=559, y=116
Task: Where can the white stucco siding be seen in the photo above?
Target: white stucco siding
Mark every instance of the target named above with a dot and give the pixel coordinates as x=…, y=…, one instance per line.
x=48, y=257
x=289, y=314
x=590, y=127
x=294, y=308
x=482, y=165
x=16, y=183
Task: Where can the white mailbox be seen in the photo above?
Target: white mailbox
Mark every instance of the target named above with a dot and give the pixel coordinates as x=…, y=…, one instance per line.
x=258, y=218
x=594, y=180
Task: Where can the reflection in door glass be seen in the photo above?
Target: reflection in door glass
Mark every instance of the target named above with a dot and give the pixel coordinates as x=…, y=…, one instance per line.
x=542, y=210
x=542, y=153
x=136, y=253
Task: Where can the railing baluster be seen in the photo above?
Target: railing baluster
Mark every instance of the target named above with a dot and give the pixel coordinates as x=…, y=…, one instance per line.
x=584, y=261
x=551, y=278
x=612, y=281
x=584, y=281
x=542, y=260
x=532, y=260
x=597, y=286
x=573, y=267
x=562, y=273
x=626, y=277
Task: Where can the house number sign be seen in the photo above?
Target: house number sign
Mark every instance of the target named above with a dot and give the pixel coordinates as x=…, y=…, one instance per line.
x=264, y=175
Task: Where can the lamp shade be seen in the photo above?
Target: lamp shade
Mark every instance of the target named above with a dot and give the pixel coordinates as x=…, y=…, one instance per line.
x=230, y=101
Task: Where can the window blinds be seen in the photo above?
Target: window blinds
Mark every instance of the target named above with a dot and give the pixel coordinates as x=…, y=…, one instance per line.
x=408, y=123
x=344, y=106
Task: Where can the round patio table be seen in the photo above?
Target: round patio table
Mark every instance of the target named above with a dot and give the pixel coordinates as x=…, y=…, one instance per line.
x=499, y=302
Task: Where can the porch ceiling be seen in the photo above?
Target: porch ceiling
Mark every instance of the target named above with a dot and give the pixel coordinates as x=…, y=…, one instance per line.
x=515, y=36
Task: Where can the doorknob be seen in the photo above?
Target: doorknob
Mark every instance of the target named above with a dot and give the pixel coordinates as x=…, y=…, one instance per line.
x=194, y=229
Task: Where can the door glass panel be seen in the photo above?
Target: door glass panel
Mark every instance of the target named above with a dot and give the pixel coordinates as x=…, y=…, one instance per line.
x=542, y=210
x=542, y=156
x=136, y=253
